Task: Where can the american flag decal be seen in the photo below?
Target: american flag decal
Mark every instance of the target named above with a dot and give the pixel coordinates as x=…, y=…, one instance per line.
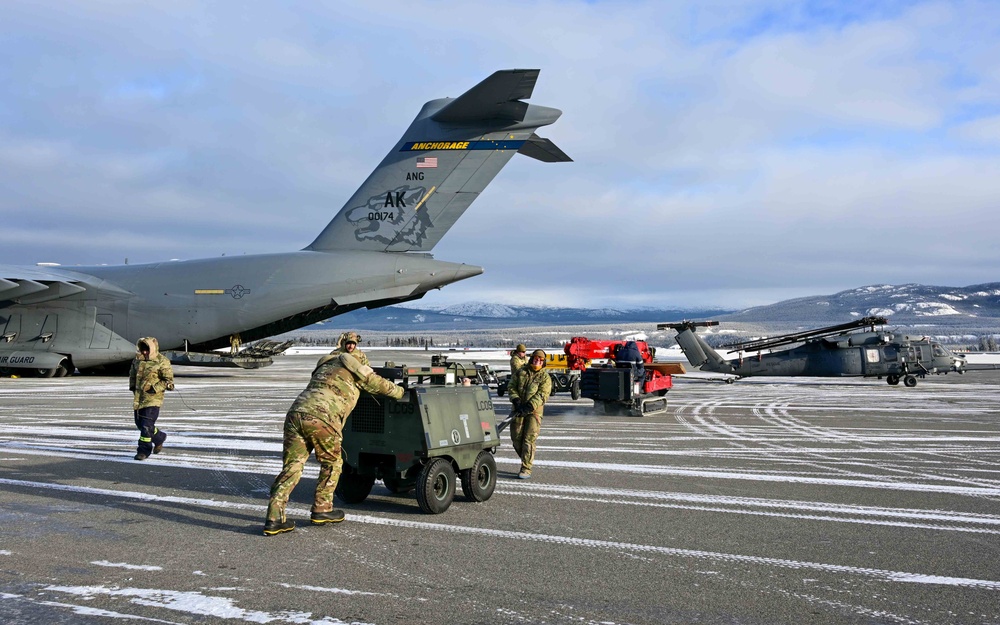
x=427, y=162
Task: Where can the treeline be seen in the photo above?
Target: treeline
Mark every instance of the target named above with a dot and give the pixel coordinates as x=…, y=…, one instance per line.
x=428, y=342
x=409, y=341
x=986, y=343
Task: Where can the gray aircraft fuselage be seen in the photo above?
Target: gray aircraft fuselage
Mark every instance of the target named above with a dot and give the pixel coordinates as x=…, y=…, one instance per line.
x=204, y=301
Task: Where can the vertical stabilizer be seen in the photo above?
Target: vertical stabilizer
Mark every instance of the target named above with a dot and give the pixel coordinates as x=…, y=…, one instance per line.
x=699, y=353
x=451, y=151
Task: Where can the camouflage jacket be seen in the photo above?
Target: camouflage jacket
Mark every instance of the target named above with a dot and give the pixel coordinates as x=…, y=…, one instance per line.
x=517, y=362
x=149, y=377
x=335, y=386
x=531, y=389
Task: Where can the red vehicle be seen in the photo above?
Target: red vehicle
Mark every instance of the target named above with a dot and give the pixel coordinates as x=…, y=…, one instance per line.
x=630, y=383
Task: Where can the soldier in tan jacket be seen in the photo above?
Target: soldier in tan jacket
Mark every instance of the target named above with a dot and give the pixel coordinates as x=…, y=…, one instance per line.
x=315, y=421
x=518, y=358
x=529, y=389
x=150, y=375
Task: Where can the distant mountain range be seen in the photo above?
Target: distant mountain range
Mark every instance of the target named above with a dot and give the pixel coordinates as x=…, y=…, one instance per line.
x=905, y=305
x=970, y=308
x=473, y=315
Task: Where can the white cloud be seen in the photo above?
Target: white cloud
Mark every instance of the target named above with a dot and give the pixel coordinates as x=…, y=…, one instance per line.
x=747, y=150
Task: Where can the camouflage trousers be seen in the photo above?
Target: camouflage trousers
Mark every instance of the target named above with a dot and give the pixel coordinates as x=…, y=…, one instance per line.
x=303, y=434
x=524, y=431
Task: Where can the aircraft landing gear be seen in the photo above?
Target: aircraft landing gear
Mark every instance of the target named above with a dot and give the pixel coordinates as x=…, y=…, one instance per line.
x=892, y=379
x=910, y=381
x=59, y=371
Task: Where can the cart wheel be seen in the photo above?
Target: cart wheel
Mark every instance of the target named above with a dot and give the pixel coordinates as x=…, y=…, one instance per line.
x=396, y=485
x=354, y=487
x=479, y=481
x=574, y=390
x=436, y=486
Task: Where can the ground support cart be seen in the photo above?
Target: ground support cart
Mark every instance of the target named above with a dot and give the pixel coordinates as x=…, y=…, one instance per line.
x=422, y=442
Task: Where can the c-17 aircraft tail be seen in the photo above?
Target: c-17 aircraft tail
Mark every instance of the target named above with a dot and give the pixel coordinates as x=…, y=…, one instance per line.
x=373, y=252
x=451, y=151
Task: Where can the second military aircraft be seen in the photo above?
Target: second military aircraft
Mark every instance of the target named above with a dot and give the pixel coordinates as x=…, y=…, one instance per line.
x=855, y=348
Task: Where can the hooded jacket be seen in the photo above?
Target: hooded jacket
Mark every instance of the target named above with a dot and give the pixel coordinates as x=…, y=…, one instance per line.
x=150, y=375
x=351, y=337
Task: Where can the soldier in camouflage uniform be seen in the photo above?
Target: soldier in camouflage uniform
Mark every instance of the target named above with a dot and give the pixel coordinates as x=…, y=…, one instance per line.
x=529, y=389
x=518, y=358
x=150, y=375
x=348, y=344
x=315, y=421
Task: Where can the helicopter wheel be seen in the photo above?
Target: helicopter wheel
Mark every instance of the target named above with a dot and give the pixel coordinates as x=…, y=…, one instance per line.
x=892, y=379
x=910, y=381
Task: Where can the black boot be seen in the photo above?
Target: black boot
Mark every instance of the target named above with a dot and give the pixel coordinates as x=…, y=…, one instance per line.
x=277, y=527
x=322, y=518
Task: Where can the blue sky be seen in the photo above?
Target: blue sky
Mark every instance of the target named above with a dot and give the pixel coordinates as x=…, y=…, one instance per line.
x=725, y=153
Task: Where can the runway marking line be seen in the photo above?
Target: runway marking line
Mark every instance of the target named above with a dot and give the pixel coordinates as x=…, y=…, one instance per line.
x=879, y=574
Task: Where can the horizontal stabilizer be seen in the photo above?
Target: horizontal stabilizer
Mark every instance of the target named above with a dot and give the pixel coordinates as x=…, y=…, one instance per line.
x=497, y=97
x=543, y=150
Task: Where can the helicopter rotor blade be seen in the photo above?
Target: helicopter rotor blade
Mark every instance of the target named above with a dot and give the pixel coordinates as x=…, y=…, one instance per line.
x=686, y=325
x=799, y=337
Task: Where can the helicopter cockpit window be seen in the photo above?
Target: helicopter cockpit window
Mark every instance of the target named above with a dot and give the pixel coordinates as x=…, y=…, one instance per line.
x=938, y=350
x=890, y=352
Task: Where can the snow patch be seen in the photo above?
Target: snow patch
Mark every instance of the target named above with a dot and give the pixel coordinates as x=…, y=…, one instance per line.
x=125, y=565
x=194, y=603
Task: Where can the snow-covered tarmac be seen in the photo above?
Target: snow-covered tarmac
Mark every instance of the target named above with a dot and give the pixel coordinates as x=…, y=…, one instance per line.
x=765, y=501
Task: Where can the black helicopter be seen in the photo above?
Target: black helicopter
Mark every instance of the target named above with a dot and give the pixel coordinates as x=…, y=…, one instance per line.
x=835, y=351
